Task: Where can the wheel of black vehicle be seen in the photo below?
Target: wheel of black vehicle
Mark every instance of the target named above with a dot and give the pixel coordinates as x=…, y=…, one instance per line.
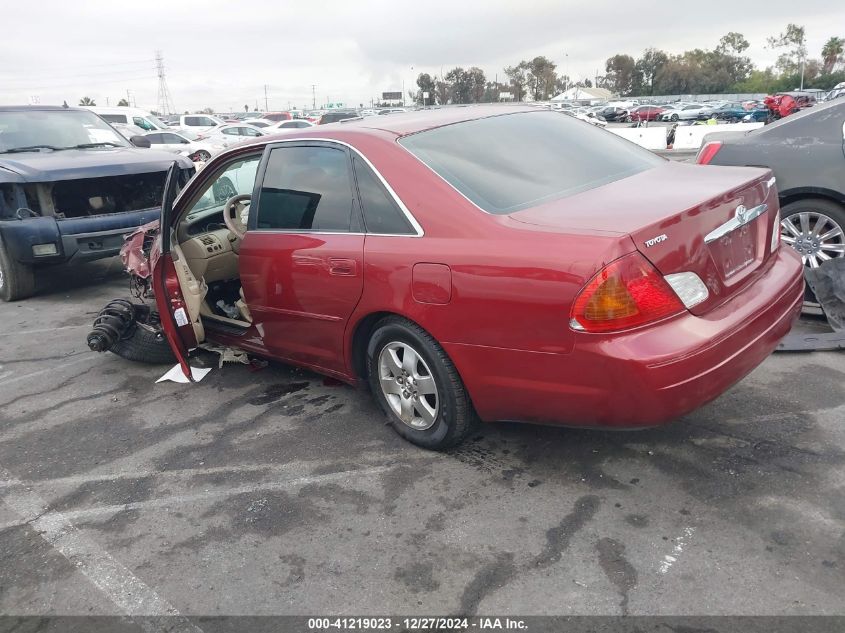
x=816, y=229
x=146, y=343
x=17, y=281
x=417, y=386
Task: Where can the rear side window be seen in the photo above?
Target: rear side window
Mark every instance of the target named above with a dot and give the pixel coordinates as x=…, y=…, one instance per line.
x=381, y=213
x=510, y=162
x=306, y=188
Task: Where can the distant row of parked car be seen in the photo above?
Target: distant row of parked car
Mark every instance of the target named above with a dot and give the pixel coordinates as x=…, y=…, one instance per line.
x=765, y=110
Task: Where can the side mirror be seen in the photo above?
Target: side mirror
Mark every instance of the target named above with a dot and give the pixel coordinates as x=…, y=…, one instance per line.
x=140, y=141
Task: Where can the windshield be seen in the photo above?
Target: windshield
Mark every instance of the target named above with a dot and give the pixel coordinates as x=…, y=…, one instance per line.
x=509, y=162
x=55, y=129
x=158, y=122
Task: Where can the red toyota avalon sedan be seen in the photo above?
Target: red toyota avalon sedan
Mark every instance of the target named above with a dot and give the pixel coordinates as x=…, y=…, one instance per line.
x=492, y=263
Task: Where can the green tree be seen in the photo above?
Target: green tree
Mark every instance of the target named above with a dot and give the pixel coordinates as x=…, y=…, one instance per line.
x=459, y=85
x=649, y=64
x=441, y=91
x=622, y=76
x=426, y=84
x=733, y=44
x=518, y=76
x=123, y=103
x=794, y=40
x=832, y=54
x=87, y=101
x=476, y=83
x=541, y=77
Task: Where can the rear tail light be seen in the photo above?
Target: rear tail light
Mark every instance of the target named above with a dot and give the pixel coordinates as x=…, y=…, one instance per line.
x=775, y=233
x=706, y=153
x=626, y=293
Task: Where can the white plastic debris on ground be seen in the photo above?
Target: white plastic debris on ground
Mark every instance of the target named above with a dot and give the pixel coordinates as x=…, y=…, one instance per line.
x=227, y=354
x=175, y=374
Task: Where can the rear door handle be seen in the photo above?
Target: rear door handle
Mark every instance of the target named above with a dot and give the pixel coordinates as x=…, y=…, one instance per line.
x=343, y=267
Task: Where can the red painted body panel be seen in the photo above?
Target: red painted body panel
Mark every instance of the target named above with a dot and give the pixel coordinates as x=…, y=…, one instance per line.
x=511, y=283
x=431, y=283
x=640, y=378
x=301, y=291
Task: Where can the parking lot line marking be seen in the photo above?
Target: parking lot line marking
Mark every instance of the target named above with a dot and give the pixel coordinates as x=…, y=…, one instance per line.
x=180, y=473
x=51, y=369
x=179, y=500
x=113, y=579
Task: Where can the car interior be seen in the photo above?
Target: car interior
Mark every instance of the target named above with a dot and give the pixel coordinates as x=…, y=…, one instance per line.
x=304, y=188
x=207, y=247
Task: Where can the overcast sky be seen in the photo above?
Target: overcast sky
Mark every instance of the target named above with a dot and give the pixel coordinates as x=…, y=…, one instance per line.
x=219, y=55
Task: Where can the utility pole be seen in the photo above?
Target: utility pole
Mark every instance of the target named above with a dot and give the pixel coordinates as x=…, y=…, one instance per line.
x=165, y=103
x=266, y=107
x=802, y=71
x=313, y=96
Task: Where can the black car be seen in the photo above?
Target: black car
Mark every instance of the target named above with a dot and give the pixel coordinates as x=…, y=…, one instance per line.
x=612, y=113
x=806, y=152
x=70, y=188
x=334, y=117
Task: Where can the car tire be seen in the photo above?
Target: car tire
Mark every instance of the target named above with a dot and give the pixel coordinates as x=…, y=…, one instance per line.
x=818, y=206
x=453, y=416
x=816, y=209
x=629, y=119
x=17, y=281
x=203, y=155
x=674, y=117
x=146, y=343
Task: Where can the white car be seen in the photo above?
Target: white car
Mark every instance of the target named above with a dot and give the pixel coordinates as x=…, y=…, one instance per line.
x=259, y=123
x=186, y=143
x=685, y=112
x=292, y=124
x=128, y=131
x=232, y=132
x=199, y=122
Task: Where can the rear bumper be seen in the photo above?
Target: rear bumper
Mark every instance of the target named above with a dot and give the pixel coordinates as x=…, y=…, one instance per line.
x=76, y=239
x=640, y=378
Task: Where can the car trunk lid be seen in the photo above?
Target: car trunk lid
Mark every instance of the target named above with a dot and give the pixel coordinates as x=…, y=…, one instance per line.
x=714, y=221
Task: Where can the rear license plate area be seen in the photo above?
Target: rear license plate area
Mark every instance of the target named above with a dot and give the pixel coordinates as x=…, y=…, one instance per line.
x=736, y=250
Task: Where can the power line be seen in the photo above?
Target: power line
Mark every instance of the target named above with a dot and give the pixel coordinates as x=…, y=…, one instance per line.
x=84, y=77
x=76, y=84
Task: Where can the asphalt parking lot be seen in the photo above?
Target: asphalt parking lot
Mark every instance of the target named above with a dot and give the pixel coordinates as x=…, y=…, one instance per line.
x=276, y=491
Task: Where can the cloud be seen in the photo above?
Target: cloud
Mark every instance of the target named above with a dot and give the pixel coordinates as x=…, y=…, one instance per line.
x=222, y=54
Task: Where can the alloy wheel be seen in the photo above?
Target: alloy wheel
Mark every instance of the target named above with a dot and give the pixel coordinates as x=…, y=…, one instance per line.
x=816, y=236
x=408, y=385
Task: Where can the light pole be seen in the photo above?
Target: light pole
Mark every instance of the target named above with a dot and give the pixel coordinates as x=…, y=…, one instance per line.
x=566, y=72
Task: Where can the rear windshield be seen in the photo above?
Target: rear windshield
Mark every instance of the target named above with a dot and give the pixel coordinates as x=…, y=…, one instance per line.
x=510, y=162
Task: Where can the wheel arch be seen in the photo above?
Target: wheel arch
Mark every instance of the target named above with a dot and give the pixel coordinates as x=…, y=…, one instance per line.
x=802, y=193
x=360, y=337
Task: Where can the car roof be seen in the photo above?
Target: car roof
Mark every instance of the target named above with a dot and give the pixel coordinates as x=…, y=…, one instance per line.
x=18, y=108
x=403, y=123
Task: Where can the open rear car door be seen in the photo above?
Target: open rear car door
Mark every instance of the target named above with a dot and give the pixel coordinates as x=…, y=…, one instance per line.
x=170, y=274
